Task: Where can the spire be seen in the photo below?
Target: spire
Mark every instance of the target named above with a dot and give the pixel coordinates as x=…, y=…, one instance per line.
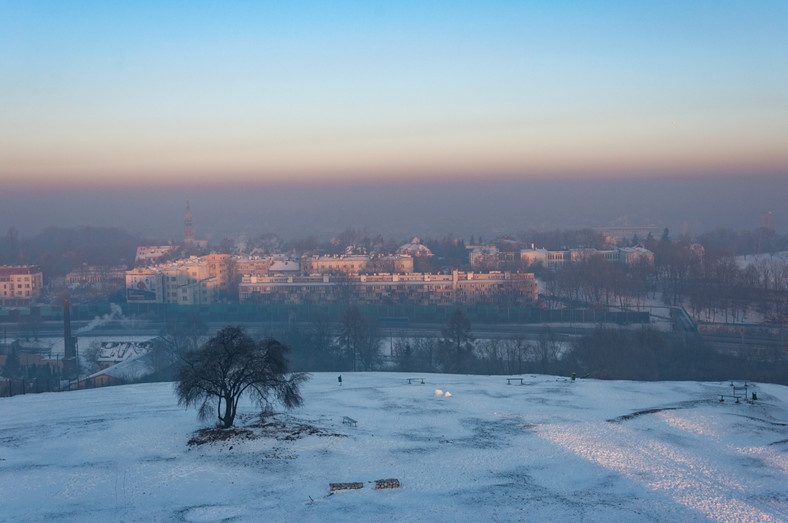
x=188, y=228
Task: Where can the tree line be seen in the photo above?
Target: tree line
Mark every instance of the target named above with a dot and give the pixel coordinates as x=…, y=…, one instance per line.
x=641, y=353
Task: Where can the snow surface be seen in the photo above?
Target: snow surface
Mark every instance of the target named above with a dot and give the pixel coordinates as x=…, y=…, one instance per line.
x=748, y=259
x=464, y=448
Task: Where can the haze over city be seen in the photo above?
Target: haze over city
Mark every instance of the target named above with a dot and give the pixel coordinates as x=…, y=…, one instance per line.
x=116, y=114
x=393, y=260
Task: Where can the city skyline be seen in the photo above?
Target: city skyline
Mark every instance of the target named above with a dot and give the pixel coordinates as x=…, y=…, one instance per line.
x=182, y=95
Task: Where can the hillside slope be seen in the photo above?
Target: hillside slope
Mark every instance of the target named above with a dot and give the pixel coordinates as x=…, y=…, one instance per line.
x=466, y=448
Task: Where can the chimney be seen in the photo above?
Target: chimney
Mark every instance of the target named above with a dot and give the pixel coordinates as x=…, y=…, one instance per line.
x=70, y=356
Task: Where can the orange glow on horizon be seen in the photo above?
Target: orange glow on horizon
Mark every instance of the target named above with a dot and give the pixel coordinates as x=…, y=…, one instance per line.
x=388, y=163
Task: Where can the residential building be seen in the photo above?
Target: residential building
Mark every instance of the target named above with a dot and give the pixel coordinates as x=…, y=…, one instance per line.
x=255, y=265
x=555, y=259
x=416, y=288
x=20, y=285
x=531, y=257
x=221, y=267
x=489, y=257
x=189, y=282
x=352, y=264
x=420, y=253
x=193, y=281
x=93, y=275
x=334, y=264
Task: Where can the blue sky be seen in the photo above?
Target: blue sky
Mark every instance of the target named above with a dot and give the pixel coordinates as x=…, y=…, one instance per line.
x=168, y=92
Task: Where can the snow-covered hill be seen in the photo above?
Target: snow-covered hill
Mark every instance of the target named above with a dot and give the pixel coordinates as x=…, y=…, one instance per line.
x=464, y=448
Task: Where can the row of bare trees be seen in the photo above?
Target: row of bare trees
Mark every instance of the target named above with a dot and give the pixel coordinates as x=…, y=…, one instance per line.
x=353, y=345
x=514, y=355
x=719, y=286
x=725, y=291
x=713, y=284
x=599, y=283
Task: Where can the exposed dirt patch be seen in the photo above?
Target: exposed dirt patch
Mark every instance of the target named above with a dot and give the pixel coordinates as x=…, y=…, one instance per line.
x=214, y=434
x=290, y=430
x=626, y=417
x=682, y=405
x=766, y=421
x=282, y=430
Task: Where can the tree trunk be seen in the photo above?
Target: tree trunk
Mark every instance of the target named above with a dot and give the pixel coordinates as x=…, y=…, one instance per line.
x=229, y=411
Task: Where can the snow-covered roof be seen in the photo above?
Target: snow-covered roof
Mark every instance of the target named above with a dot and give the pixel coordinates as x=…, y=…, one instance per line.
x=285, y=266
x=132, y=369
x=152, y=252
x=414, y=248
x=634, y=250
x=116, y=351
x=56, y=345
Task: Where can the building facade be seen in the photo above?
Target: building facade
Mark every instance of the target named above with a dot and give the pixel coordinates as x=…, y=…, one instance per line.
x=198, y=280
x=20, y=285
x=321, y=279
x=555, y=259
x=89, y=275
x=416, y=288
x=353, y=264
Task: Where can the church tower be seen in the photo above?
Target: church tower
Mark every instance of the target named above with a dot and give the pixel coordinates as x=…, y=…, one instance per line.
x=188, y=228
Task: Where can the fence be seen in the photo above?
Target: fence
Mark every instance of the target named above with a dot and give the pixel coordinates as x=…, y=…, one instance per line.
x=10, y=388
x=18, y=387
x=250, y=312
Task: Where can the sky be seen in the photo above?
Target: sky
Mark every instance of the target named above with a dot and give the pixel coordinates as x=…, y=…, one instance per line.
x=152, y=93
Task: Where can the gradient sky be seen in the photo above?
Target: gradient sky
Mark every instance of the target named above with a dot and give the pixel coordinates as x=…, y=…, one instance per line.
x=177, y=92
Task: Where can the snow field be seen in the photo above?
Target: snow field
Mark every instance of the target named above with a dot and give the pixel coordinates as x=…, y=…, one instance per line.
x=552, y=448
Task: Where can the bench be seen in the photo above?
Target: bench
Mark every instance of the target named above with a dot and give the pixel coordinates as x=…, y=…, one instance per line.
x=358, y=485
x=386, y=483
x=415, y=380
x=355, y=485
x=736, y=393
x=347, y=420
x=510, y=380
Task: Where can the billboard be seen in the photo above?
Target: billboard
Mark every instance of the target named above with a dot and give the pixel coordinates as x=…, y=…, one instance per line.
x=142, y=287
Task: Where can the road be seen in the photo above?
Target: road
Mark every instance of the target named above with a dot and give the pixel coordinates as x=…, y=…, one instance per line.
x=118, y=328
x=561, y=332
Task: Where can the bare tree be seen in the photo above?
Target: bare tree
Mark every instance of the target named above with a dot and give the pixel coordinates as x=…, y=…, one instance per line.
x=544, y=354
x=91, y=356
x=179, y=336
x=232, y=364
x=515, y=349
x=360, y=338
x=457, y=343
x=492, y=359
